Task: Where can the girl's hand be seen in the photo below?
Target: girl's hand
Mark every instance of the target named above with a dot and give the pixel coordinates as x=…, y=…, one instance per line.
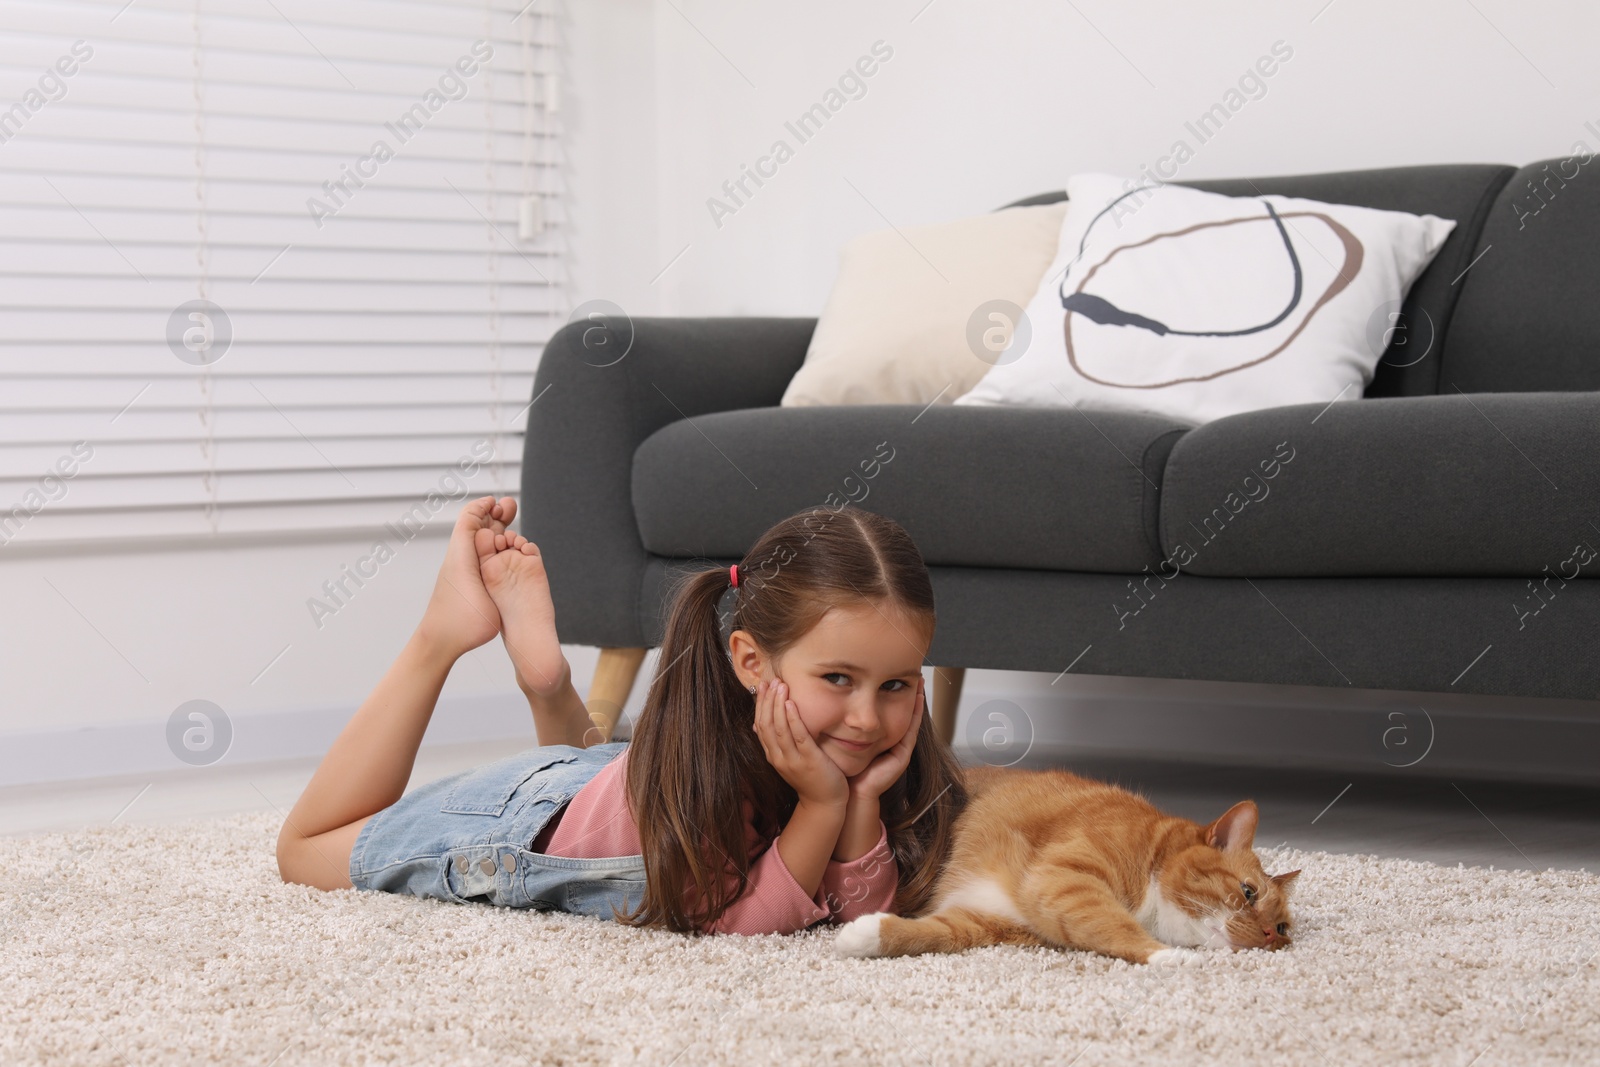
x=793, y=752
x=887, y=767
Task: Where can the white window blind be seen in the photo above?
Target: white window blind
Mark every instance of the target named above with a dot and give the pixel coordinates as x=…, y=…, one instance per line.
x=387, y=305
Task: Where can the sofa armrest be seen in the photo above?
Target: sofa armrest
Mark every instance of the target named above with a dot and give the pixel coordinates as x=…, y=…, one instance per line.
x=591, y=411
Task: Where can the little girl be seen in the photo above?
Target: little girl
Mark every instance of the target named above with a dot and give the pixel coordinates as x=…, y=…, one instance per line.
x=774, y=777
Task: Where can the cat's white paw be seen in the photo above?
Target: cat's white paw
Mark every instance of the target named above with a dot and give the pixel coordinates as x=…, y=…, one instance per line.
x=1175, y=957
x=859, y=937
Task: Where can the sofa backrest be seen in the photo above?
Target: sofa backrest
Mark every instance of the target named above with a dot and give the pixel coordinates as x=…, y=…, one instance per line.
x=1464, y=192
x=1528, y=318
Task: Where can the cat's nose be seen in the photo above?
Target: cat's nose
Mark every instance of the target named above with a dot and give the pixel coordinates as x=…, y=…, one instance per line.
x=1272, y=935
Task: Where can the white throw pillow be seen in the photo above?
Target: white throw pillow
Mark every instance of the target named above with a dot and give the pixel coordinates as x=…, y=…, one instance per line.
x=896, y=324
x=1195, y=305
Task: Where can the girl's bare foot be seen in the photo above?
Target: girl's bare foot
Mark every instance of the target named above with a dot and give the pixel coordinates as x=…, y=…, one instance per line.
x=513, y=573
x=461, y=615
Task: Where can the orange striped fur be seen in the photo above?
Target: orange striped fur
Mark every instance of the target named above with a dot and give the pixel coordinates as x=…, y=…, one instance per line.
x=1050, y=858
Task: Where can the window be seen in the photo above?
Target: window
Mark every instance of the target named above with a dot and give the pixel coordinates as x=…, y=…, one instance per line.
x=270, y=265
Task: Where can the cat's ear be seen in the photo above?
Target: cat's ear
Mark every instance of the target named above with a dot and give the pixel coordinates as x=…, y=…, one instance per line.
x=1284, y=881
x=1236, y=830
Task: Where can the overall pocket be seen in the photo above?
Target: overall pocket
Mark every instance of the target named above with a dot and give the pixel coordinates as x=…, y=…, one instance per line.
x=586, y=886
x=487, y=790
x=597, y=896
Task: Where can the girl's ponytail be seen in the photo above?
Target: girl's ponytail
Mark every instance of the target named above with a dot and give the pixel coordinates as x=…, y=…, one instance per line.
x=689, y=763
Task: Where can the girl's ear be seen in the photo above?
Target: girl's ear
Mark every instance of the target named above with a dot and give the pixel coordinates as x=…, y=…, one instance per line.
x=749, y=662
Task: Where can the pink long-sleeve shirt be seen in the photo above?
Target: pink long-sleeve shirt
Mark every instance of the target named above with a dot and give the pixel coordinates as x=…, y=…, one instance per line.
x=596, y=823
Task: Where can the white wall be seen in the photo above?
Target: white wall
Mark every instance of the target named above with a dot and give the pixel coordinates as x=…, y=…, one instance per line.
x=979, y=105
x=98, y=650
x=611, y=120
x=982, y=104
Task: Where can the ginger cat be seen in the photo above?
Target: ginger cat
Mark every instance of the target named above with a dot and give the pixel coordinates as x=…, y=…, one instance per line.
x=1049, y=858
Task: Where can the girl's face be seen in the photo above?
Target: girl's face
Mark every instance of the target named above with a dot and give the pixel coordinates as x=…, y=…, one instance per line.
x=853, y=677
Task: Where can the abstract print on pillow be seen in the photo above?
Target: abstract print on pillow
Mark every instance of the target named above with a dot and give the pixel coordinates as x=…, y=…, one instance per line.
x=1196, y=305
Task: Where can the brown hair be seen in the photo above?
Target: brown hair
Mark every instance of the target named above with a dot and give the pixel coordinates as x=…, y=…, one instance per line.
x=694, y=758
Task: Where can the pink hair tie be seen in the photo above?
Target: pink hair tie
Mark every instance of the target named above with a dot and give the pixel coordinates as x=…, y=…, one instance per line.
x=733, y=575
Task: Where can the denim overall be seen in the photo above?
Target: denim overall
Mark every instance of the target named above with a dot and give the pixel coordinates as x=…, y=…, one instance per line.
x=468, y=836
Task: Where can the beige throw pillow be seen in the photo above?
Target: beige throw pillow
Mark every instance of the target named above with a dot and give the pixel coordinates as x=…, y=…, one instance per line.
x=895, y=327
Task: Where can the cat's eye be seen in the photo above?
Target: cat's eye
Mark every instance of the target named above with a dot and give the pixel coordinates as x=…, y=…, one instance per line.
x=1249, y=892
x=1283, y=929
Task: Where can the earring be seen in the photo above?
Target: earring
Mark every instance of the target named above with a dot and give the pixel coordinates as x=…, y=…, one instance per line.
x=752, y=689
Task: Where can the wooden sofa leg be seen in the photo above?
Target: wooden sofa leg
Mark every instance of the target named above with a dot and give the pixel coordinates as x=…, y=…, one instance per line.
x=946, y=695
x=613, y=681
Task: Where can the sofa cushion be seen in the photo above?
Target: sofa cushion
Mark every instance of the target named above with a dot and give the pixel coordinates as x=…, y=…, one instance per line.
x=1459, y=485
x=982, y=487
x=1527, y=318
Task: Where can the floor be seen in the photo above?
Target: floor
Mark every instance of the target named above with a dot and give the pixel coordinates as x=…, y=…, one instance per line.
x=176, y=944
x=1478, y=823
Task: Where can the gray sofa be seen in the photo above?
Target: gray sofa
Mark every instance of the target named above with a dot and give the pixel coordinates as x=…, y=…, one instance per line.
x=1436, y=535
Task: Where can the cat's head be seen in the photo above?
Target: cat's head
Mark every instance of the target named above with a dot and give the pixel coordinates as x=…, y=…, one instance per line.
x=1223, y=884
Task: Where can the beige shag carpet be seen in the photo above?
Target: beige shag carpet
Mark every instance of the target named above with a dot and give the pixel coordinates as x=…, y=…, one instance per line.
x=179, y=944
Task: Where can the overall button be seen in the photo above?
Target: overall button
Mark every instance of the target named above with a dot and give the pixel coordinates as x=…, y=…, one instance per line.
x=486, y=865
x=509, y=862
x=461, y=864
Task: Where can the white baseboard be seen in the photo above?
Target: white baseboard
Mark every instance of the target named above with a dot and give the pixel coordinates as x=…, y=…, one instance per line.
x=141, y=748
